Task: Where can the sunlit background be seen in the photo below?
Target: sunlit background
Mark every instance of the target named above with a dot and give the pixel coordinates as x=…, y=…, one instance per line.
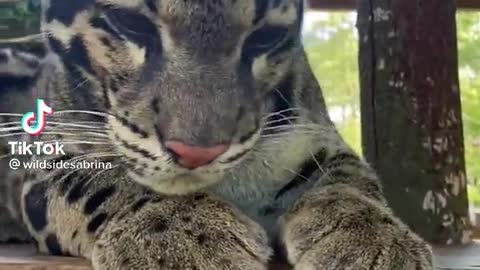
x=331, y=41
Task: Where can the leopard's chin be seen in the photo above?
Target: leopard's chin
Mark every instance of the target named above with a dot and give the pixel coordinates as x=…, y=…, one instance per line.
x=181, y=184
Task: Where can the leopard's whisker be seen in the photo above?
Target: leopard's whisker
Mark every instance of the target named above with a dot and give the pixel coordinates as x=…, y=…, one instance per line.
x=90, y=123
x=297, y=174
x=12, y=135
x=296, y=130
x=5, y=156
x=95, y=155
x=68, y=174
x=285, y=110
x=92, y=159
x=29, y=38
x=100, y=173
x=96, y=113
x=80, y=84
x=10, y=123
x=56, y=124
x=80, y=131
x=11, y=129
x=94, y=134
x=97, y=134
x=303, y=126
x=79, y=142
x=281, y=120
x=11, y=114
x=317, y=162
x=56, y=133
x=281, y=112
x=293, y=126
x=285, y=132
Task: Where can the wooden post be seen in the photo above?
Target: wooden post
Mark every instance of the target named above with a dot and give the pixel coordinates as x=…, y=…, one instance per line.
x=411, y=113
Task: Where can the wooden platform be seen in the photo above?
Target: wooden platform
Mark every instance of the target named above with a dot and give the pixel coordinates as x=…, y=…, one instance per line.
x=24, y=258
x=458, y=258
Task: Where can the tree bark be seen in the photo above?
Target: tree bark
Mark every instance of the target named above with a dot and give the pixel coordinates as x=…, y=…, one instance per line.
x=411, y=113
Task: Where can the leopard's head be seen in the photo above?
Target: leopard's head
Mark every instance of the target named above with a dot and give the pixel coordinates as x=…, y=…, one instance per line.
x=191, y=86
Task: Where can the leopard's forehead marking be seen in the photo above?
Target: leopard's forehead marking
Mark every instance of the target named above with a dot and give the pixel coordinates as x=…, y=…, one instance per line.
x=211, y=28
x=126, y=3
x=214, y=25
x=246, y=12
x=65, y=11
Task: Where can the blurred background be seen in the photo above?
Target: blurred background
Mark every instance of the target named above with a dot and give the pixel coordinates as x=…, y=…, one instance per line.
x=331, y=40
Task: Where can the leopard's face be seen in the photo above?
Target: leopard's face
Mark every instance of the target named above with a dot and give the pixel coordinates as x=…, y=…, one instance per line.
x=188, y=83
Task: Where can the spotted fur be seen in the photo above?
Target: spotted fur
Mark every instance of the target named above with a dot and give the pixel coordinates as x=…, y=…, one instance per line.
x=127, y=76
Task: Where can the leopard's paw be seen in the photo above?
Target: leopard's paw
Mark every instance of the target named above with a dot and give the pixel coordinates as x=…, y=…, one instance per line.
x=195, y=232
x=344, y=231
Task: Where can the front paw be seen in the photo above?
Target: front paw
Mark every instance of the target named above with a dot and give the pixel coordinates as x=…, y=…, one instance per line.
x=195, y=232
x=341, y=229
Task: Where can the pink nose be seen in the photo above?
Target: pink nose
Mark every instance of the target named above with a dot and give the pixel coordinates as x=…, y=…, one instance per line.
x=192, y=157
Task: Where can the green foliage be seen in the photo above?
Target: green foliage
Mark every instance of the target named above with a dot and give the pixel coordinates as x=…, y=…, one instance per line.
x=332, y=46
x=474, y=195
x=19, y=19
x=20, y=11
x=332, y=49
x=468, y=25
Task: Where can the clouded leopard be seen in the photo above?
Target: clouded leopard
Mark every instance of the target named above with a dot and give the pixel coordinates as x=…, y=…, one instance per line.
x=222, y=152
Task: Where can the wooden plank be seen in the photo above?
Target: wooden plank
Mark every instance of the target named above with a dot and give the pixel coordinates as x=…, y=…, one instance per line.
x=352, y=4
x=24, y=258
x=458, y=257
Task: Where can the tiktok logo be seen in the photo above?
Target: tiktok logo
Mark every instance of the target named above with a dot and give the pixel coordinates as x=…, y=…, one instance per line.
x=40, y=115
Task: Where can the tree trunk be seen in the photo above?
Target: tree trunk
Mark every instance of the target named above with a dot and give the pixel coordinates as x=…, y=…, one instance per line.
x=411, y=113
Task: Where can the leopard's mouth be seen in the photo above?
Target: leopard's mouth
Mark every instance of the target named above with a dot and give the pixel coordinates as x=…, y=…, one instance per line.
x=151, y=164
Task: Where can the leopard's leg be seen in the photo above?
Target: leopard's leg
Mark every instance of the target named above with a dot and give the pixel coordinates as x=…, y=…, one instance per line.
x=343, y=222
x=12, y=229
x=125, y=226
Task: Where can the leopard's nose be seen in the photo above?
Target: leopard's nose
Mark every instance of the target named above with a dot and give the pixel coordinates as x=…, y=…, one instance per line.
x=192, y=157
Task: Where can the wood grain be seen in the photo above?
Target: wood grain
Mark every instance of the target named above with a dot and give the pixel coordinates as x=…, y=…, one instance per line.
x=24, y=258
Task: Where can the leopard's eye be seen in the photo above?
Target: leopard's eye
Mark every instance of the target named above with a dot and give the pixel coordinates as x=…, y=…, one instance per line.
x=128, y=24
x=129, y=21
x=263, y=40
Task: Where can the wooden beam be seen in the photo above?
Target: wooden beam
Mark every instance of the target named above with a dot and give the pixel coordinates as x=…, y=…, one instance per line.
x=333, y=4
x=468, y=4
x=352, y=4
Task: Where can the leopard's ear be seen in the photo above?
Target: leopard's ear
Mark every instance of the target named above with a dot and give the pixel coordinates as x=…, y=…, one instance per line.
x=17, y=70
x=20, y=63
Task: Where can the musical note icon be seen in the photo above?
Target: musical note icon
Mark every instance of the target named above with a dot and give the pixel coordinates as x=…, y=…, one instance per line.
x=41, y=111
